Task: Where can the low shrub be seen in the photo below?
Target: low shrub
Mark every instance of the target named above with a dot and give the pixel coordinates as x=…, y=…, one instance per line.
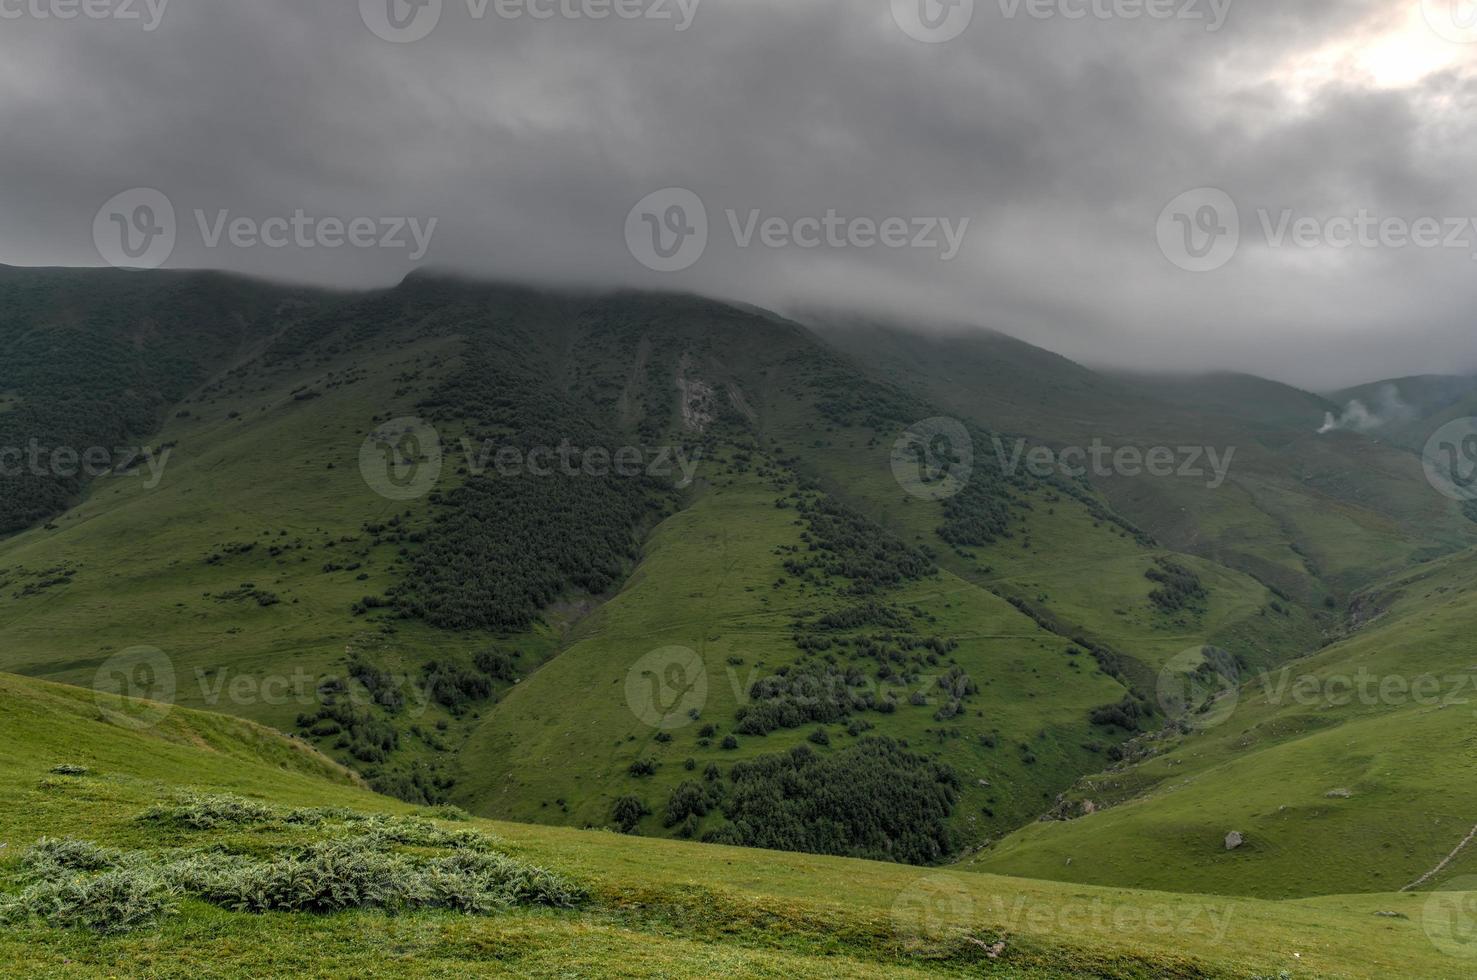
x=382, y=832
x=341, y=874
x=628, y=812
x=445, y=811
x=110, y=903
x=353, y=871
x=210, y=812
x=49, y=857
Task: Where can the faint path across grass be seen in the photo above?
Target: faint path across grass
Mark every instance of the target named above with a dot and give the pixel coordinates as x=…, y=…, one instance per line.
x=1444, y=862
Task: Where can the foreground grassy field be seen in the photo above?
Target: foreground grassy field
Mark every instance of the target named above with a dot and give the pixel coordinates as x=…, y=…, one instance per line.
x=654, y=908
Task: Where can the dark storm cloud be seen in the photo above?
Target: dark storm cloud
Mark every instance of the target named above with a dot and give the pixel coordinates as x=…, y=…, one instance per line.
x=529, y=141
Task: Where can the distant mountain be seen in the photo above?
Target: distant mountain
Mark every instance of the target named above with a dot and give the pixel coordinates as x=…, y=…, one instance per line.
x=95, y=358
x=1309, y=514
x=1404, y=411
x=1244, y=397
x=1422, y=396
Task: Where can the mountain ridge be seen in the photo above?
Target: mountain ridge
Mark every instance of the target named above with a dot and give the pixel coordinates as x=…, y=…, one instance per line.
x=1004, y=640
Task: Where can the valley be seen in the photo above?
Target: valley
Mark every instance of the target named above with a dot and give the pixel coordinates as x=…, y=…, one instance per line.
x=670, y=568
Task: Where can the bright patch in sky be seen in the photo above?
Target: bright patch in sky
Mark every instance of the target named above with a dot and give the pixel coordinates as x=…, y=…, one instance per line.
x=1391, y=51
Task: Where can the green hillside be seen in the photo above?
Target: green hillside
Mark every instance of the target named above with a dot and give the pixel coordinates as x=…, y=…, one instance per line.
x=263, y=542
x=616, y=567
x=1348, y=771
x=95, y=358
x=201, y=791
x=1314, y=515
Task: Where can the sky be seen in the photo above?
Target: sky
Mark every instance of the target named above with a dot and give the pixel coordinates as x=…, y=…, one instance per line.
x=1283, y=188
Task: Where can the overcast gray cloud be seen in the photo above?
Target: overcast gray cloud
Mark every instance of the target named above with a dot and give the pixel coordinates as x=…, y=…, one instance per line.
x=1027, y=162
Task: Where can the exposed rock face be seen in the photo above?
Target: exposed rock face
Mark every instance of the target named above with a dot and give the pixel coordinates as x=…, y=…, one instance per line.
x=697, y=397
x=1234, y=840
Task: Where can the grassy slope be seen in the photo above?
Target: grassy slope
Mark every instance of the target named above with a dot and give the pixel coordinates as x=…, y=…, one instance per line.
x=1314, y=515
x=1399, y=767
x=659, y=908
x=96, y=360
x=252, y=462
x=140, y=554
x=558, y=748
x=569, y=733
x=1087, y=573
x=142, y=578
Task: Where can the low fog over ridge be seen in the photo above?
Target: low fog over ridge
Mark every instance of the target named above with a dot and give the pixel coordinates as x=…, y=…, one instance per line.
x=1040, y=155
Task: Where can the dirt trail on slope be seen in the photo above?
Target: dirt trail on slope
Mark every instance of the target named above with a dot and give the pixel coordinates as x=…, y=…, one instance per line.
x=1445, y=861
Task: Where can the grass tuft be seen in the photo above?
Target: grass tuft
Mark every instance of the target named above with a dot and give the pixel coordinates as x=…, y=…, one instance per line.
x=67, y=769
